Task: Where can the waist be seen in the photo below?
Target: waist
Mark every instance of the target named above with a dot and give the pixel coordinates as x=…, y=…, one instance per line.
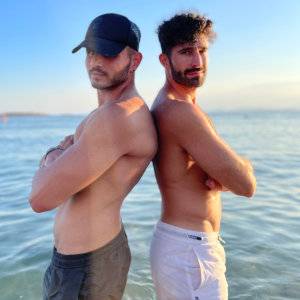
x=199, y=218
x=194, y=209
x=185, y=235
x=87, y=258
x=79, y=233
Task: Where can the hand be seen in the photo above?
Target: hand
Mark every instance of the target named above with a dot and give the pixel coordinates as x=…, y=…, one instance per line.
x=212, y=184
x=67, y=142
x=53, y=153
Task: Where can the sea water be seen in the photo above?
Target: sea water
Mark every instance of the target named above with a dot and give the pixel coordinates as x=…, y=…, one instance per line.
x=262, y=234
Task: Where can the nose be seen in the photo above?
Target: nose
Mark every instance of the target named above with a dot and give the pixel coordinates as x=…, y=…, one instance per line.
x=94, y=59
x=198, y=60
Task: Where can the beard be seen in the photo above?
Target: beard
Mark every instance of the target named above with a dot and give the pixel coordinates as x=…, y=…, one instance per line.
x=111, y=83
x=181, y=78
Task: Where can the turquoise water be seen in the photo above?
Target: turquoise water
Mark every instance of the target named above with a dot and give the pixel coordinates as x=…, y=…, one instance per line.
x=262, y=234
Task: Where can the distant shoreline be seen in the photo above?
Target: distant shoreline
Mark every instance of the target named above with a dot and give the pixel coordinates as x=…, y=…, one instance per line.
x=34, y=114
x=22, y=114
x=4, y=115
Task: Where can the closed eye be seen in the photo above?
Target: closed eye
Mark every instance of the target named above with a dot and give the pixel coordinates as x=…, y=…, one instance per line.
x=186, y=51
x=202, y=50
x=89, y=51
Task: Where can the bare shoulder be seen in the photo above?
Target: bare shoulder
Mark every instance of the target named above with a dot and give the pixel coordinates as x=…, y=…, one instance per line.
x=179, y=115
x=142, y=129
x=136, y=115
x=186, y=110
x=114, y=115
x=127, y=122
x=81, y=125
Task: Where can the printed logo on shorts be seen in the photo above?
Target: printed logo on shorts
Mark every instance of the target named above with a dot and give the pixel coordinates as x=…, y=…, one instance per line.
x=195, y=237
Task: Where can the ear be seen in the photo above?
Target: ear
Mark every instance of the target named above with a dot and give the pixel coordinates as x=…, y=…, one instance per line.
x=136, y=60
x=164, y=60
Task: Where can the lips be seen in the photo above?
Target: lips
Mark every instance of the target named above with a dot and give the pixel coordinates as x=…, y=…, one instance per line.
x=194, y=72
x=97, y=73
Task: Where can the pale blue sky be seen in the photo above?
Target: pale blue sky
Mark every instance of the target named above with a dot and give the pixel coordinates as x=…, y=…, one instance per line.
x=254, y=63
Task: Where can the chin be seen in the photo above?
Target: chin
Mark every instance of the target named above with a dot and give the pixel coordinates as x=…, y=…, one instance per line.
x=98, y=85
x=199, y=82
x=194, y=83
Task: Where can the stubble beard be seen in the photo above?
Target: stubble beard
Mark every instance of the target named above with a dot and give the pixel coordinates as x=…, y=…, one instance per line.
x=118, y=79
x=179, y=77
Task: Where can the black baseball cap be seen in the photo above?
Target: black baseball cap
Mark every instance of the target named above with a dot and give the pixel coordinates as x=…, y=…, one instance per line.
x=109, y=34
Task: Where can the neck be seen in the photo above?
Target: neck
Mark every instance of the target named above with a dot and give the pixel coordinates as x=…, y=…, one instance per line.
x=180, y=91
x=117, y=94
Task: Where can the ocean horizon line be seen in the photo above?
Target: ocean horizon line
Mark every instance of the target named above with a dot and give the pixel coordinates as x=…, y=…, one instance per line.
x=213, y=111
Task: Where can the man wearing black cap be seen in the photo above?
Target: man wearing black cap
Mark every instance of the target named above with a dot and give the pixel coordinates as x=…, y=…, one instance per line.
x=89, y=174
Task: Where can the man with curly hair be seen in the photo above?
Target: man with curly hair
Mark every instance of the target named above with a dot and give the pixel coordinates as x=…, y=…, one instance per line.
x=192, y=166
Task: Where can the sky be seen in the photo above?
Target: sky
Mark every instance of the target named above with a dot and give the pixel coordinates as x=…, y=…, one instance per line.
x=253, y=64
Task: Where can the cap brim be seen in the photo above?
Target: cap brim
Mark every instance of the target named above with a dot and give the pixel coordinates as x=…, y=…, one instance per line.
x=101, y=46
x=78, y=47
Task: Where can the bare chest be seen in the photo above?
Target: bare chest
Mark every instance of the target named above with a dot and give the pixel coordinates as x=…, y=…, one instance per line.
x=174, y=164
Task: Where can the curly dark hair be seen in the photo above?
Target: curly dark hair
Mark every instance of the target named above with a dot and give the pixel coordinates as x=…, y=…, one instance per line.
x=183, y=28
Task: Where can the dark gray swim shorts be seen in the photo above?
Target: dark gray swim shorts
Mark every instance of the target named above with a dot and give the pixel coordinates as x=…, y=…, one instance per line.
x=96, y=275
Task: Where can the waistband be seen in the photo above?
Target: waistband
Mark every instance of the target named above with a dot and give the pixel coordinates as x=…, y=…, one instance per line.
x=83, y=259
x=186, y=235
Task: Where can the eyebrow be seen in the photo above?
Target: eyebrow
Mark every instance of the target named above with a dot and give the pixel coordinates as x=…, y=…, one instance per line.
x=185, y=48
x=204, y=48
x=192, y=47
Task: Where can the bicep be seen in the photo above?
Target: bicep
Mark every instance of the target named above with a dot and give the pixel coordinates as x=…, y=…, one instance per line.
x=210, y=152
x=79, y=166
x=84, y=162
x=208, y=149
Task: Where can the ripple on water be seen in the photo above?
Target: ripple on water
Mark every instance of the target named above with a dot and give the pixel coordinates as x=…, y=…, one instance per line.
x=262, y=234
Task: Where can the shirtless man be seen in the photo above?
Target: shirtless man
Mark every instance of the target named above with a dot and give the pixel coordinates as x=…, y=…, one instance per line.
x=87, y=177
x=193, y=165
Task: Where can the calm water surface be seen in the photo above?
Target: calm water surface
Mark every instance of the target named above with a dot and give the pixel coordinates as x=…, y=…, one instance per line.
x=262, y=234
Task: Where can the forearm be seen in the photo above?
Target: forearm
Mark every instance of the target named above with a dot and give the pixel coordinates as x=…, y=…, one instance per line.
x=44, y=196
x=251, y=173
x=67, y=175
x=51, y=155
x=44, y=185
x=247, y=164
x=246, y=177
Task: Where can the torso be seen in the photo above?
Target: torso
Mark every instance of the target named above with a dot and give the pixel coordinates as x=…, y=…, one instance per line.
x=91, y=218
x=187, y=201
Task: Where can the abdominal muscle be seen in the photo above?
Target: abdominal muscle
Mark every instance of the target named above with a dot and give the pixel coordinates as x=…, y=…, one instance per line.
x=90, y=219
x=184, y=208
x=186, y=201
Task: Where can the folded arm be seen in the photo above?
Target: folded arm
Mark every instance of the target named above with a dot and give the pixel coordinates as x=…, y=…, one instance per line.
x=54, y=152
x=104, y=139
x=196, y=135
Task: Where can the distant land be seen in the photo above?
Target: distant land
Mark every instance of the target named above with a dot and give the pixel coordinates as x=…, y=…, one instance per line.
x=37, y=114
x=21, y=114
x=7, y=115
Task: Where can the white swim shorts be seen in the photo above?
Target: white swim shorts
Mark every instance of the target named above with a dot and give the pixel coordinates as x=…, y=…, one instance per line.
x=187, y=264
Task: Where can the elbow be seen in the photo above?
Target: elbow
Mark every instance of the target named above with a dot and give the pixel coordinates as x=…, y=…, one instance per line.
x=249, y=192
x=249, y=187
x=37, y=205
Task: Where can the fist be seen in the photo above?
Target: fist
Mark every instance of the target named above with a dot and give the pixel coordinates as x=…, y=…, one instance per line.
x=52, y=156
x=49, y=157
x=67, y=142
x=212, y=184
x=53, y=153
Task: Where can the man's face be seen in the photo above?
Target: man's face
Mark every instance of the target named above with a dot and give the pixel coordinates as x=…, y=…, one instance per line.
x=188, y=62
x=108, y=72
